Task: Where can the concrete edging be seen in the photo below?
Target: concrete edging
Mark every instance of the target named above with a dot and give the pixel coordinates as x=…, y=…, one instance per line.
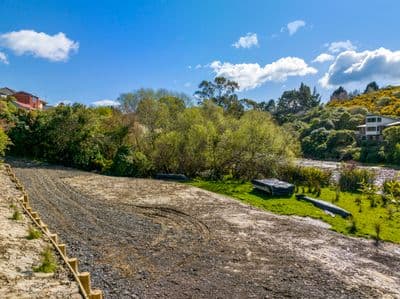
x=82, y=278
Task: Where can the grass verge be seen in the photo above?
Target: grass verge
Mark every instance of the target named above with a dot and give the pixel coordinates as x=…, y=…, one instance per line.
x=364, y=222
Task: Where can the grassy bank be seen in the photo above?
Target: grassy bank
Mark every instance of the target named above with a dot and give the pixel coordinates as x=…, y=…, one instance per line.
x=365, y=218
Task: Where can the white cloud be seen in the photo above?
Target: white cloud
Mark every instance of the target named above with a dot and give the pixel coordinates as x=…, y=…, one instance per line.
x=3, y=58
x=198, y=66
x=252, y=75
x=324, y=57
x=294, y=26
x=351, y=66
x=247, y=41
x=105, y=103
x=39, y=44
x=336, y=47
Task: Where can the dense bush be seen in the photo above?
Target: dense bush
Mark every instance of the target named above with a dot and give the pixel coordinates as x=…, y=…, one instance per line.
x=128, y=162
x=392, y=187
x=391, y=138
x=306, y=176
x=161, y=135
x=4, y=142
x=351, y=177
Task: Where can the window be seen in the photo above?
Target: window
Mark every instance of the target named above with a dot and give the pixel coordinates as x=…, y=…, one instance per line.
x=371, y=120
x=371, y=129
x=379, y=119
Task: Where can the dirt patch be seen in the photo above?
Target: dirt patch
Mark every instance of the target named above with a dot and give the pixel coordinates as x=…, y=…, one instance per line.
x=147, y=238
x=18, y=255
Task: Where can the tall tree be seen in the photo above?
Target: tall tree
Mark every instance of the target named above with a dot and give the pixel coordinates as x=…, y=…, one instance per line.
x=371, y=87
x=340, y=94
x=294, y=101
x=222, y=92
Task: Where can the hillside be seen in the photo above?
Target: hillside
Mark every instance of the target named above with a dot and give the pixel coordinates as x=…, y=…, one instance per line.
x=385, y=101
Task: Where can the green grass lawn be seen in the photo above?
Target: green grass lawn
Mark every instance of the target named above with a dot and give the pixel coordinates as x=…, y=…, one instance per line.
x=365, y=220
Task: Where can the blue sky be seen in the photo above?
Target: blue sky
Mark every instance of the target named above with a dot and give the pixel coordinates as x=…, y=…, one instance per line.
x=109, y=47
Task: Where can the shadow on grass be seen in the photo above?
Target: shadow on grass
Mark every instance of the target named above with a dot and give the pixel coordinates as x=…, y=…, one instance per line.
x=266, y=196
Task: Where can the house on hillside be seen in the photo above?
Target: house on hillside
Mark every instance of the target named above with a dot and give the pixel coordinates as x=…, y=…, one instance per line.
x=5, y=92
x=26, y=100
x=374, y=126
x=23, y=100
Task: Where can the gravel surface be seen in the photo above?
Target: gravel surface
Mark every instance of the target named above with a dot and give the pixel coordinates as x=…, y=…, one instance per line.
x=147, y=239
x=18, y=255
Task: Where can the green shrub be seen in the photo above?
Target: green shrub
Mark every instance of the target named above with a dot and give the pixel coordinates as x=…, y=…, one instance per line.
x=16, y=216
x=311, y=177
x=33, y=233
x=128, y=162
x=392, y=186
x=48, y=263
x=351, y=177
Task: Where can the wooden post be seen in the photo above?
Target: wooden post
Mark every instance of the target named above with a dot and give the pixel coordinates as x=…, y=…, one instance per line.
x=96, y=294
x=63, y=249
x=84, y=278
x=54, y=237
x=74, y=264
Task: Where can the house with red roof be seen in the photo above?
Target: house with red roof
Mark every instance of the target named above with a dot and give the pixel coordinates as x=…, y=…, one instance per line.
x=23, y=100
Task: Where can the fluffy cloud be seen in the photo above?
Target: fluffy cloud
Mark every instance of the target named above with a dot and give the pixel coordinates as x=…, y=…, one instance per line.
x=247, y=41
x=336, y=47
x=352, y=66
x=252, y=75
x=39, y=44
x=105, y=103
x=3, y=58
x=324, y=57
x=294, y=26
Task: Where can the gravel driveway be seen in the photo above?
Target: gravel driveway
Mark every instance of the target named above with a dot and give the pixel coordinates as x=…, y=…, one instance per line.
x=147, y=239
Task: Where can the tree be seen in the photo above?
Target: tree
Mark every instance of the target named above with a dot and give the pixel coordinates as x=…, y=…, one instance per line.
x=295, y=101
x=391, y=137
x=371, y=87
x=222, y=92
x=340, y=94
x=129, y=101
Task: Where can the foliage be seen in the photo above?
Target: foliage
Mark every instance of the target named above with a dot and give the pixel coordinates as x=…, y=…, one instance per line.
x=307, y=176
x=128, y=162
x=384, y=101
x=369, y=192
x=351, y=178
x=129, y=101
x=340, y=94
x=363, y=220
x=162, y=134
x=295, y=101
x=221, y=92
x=33, y=233
x=391, y=190
x=391, y=137
x=48, y=262
x=371, y=87
x=17, y=216
x=4, y=142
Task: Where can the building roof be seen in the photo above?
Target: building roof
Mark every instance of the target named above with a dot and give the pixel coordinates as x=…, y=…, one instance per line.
x=23, y=105
x=6, y=91
x=383, y=116
x=27, y=93
x=396, y=123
